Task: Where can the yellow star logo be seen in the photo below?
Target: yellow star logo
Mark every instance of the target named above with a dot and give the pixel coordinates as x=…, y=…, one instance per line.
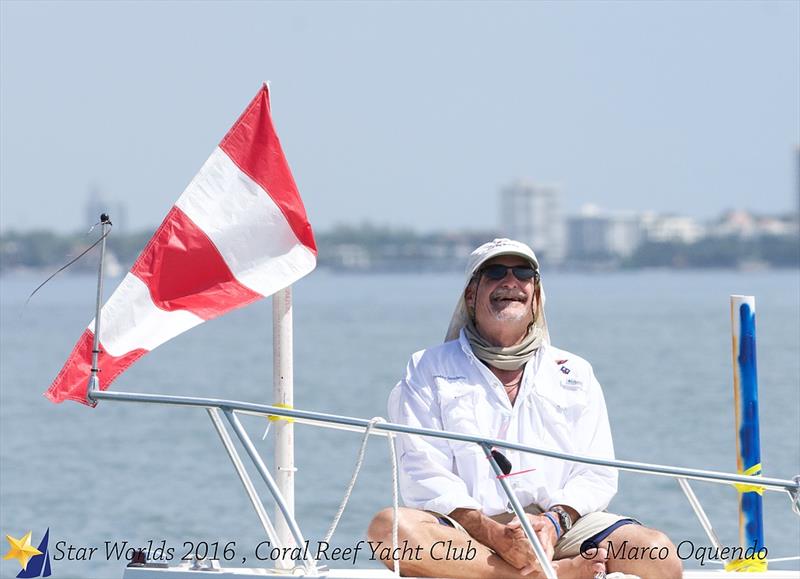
x=21, y=549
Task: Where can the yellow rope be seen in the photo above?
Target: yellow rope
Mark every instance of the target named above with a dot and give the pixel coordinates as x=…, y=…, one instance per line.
x=754, y=470
x=274, y=418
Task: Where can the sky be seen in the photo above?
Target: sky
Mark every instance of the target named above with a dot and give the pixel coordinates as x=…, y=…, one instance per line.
x=406, y=114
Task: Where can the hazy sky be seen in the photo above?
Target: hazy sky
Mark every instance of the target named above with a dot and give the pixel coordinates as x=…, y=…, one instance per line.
x=399, y=113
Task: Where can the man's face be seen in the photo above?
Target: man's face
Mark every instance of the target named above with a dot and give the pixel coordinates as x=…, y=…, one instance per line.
x=504, y=300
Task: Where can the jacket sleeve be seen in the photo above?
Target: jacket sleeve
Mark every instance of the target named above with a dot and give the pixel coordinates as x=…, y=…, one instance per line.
x=427, y=480
x=590, y=488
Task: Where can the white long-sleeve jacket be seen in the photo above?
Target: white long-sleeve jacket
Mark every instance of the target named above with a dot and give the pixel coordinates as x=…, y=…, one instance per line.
x=560, y=406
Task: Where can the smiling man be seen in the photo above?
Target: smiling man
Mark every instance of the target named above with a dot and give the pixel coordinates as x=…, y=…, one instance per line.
x=497, y=375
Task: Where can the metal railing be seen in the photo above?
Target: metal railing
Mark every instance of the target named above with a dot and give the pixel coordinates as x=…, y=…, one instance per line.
x=231, y=407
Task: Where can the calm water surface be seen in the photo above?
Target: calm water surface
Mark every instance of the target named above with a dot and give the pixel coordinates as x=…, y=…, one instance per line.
x=659, y=343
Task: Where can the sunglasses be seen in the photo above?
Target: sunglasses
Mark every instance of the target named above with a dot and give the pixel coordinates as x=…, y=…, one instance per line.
x=498, y=271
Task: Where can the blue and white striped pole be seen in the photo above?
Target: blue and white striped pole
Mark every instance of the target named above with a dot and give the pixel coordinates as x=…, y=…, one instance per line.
x=748, y=444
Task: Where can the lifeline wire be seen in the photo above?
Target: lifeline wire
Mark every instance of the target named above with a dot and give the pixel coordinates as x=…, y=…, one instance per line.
x=395, y=490
x=351, y=485
x=87, y=250
x=348, y=492
x=395, y=503
x=359, y=461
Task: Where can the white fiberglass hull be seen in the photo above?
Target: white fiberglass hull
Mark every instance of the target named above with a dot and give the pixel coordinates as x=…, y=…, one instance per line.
x=184, y=572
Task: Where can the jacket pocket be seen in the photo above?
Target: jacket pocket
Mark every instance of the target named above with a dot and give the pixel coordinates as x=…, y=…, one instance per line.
x=565, y=403
x=458, y=403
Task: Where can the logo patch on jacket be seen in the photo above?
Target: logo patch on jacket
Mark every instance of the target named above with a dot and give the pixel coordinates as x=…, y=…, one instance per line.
x=561, y=363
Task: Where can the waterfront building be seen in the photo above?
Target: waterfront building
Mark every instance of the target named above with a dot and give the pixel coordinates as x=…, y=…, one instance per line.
x=674, y=228
x=97, y=203
x=532, y=214
x=594, y=234
x=94, y=206
x=744, y=225
x=737, y=223
x=794, y=216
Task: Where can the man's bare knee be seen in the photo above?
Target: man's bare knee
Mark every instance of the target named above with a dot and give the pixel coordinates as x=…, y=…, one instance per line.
x=651, y=548
x=381, y=525
x=670, y=567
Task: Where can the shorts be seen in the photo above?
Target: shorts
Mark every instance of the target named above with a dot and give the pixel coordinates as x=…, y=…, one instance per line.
x=588, y=532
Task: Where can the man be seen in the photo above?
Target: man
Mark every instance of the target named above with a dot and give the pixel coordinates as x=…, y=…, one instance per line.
x=498, y=376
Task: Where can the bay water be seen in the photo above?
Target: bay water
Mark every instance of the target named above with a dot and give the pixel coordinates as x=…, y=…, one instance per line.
x=659, y=342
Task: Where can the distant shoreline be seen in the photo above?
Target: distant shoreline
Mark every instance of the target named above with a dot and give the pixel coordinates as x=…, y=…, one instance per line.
x=43, y=273
x=375, y=250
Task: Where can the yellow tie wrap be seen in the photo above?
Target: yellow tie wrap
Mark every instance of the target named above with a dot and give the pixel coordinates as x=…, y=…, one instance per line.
x=749, y=565
x=754, y=470
x=274, y=418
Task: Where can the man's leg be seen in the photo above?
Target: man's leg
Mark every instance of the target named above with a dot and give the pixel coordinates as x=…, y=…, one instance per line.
x=419, y=528
x=642, y=551
x=630, y=547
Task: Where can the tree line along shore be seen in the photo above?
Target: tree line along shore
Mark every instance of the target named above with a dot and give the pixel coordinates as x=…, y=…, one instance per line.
x=368, y=248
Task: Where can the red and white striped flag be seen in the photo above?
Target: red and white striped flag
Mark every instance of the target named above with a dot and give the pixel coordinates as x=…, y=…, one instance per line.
x=238, y=233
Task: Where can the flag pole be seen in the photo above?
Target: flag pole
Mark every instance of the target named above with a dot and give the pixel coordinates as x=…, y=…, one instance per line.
x=94, y=380
x=283, y=396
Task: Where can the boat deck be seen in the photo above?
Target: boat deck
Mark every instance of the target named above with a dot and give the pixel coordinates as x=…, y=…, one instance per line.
x=185, y=572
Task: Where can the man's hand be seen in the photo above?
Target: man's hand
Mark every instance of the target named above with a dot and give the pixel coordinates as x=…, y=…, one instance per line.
x=544, y=529
x=515, y=548
x=510, y=541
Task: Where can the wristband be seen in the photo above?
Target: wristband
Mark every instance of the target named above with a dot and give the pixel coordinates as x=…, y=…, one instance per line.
x=552, y=518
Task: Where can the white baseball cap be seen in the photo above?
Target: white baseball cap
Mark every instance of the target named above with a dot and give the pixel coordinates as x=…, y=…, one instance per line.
x=477, y=258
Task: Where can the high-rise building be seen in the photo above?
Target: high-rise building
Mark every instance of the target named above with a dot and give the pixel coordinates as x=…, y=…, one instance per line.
x=599, y=235
x=797, y=183
x=120, y=217
x=95, y=205
x=672, y=228
x=532, y=214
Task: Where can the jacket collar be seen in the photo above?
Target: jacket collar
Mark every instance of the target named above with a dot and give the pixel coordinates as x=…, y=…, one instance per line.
x=545, y=372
